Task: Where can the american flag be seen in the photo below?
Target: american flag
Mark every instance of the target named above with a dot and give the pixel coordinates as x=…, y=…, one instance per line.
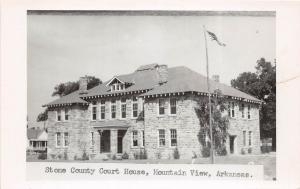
x=214, y=37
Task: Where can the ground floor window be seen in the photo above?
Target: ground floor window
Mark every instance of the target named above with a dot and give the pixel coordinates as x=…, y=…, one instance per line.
x=173, y=133
x=134, y=138
x=143, y=138
x=161, y=137
x=244, y=138
x=62, y=139
x=250, y=138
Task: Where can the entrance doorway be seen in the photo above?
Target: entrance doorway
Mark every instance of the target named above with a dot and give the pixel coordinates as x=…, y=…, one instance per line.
x=231, y=144
x=105, y=141
x=121, y=134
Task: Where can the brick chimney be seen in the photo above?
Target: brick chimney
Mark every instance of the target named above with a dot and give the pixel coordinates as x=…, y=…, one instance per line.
x=83, y=85
x=216, y=78
x=162, y=71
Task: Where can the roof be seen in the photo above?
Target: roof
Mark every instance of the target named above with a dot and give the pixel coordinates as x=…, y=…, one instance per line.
x=145, y=79
x=111, y=123
x=183, y=79
x=34, y=133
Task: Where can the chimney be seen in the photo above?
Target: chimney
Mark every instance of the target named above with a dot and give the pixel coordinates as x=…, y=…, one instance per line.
x=83, y=85
x=216, y=78
x=162, y=71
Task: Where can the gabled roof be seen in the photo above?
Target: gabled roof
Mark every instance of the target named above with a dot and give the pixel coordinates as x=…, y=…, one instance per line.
x=146, y=80
x=34, y=133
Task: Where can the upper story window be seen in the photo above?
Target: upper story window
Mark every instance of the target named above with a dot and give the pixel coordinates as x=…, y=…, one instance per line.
x=116, y=85
x=173, y=106
x=231, y=112
x=102, y=109
x=94, y=110
x=123, y=108
x=134, y=107
x=58, y=115
x=113, y=109
x=67, y=114
x=243, y=110
x=161, y=106
x=249, y=112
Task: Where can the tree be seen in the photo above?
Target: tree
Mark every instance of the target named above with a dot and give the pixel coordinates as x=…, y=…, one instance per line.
x=262, y=85
x=63, y=89
x=220, y=124
x=66, y=88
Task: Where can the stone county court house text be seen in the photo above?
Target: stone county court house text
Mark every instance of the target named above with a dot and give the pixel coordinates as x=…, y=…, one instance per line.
x=152, y=108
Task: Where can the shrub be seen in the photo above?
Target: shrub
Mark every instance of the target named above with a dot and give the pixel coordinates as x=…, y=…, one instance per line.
x=136, y=155
x=75, y=157
x=205, y=151
x=243, y=151
x=143, y=154
x=85, y=156
x=265, y=149
x=158, y=155
x=222, y=151
x=194, y=155
x=125, y=156
x=66, y=156
x=176, y=154
x=52, y=156
x=114, y=157
x=42, y=156
x=249, y=150
x=59, y=156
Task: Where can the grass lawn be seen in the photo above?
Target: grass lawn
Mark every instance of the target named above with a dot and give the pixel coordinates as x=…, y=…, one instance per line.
x=267, y=160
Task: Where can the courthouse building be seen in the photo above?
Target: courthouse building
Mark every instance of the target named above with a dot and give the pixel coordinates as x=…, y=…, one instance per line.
x=152, y=110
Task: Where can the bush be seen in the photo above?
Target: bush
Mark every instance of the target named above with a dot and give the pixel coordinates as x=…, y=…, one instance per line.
x=66, y=156
x=59, y=156
x=222, y=151
x=243, y=151
x=249, y=150
x=85, y=156
x=265, y=149
x=194, y=155
x=176, y=154
x=114, y=157
x=125, y=156
x=205, y=151
x=75, y=157
x=158, y=155
x=42, y=156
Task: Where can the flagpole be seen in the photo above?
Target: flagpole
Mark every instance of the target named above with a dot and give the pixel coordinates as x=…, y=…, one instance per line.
x=209, y=101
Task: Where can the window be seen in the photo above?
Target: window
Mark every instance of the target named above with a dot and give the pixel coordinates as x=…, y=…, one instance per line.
x=58, y=115
x=250, y=138
x=172, y=106
x=161, y=137
x=143, y=138
x=66, y=114
x=94, y=110
x=244, y=138
x=243, y=110
x=58, y=139
x=92, y=139
x=66, y=139
x=173, y=137
x=249, y=108
x=102, y=109
x=113, y=109
x=134, y=138
x=123, y=108
x=134, y=107
x=161, y=106
x=231, y=109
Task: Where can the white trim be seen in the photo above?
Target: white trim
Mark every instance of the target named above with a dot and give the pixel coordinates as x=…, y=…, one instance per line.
x=170, y=106
x=100, y=110
x=170, y=145
x=137, y=132
x=158, y=144
x=134, y=102
x=112, y=79
x=122, y=103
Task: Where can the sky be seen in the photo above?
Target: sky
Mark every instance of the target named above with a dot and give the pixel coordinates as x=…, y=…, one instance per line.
x=62, y=48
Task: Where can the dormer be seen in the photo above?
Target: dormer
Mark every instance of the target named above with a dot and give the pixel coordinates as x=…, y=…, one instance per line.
x=116, y=84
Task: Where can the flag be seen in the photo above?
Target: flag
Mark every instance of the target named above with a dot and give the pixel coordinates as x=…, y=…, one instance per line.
x=214, y=37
